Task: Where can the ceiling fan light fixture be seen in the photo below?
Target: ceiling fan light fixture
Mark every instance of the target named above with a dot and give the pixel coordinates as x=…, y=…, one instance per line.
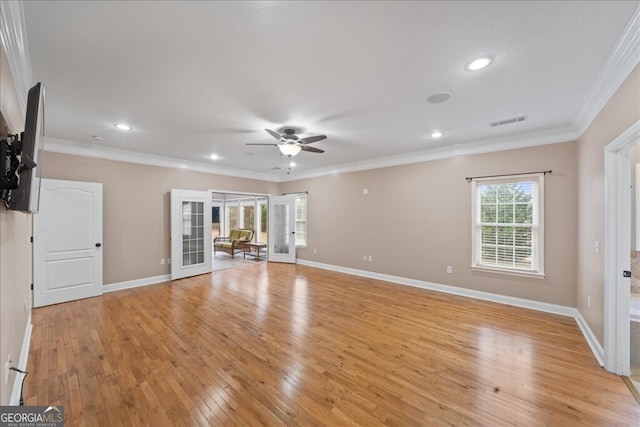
x=289, y=149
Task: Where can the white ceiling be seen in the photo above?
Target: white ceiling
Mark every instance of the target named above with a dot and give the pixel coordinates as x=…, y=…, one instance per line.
x=196, y=78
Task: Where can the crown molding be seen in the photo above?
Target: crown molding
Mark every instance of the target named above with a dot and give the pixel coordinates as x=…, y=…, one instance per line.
x=622, y=61
x=464, y=149
x=57, y=145
x=13, y=37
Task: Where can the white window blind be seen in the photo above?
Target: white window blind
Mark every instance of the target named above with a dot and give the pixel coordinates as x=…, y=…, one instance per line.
x=508, y=224
x=301, y=220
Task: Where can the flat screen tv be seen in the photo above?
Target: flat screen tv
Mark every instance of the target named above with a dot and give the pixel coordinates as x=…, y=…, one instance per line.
x=26, y=197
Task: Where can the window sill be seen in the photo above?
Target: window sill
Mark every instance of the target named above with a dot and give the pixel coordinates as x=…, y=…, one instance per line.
x=521, y=273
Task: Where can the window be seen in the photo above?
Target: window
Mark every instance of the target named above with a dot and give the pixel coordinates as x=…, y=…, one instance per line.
x=508, y=224
x=261, y=230
x=231, y=216
x=240, y=211
x=301, y=220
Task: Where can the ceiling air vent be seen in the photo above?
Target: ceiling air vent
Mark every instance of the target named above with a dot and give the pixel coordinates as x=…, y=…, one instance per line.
x=508, y=121
x=275, y=168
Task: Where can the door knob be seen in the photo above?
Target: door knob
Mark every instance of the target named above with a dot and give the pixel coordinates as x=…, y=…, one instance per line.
x=98, y=245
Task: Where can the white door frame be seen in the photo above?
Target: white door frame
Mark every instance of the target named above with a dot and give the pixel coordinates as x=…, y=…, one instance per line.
x=617, y=248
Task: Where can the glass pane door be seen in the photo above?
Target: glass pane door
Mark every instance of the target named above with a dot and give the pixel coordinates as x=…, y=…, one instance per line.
x=190, y=233
x=282, y=244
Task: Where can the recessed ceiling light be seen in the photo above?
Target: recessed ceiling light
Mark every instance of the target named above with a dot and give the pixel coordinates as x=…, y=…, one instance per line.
x=479, y=64
x=436, y=134
x=292, y=164
x=214, y=157
x=122, y=126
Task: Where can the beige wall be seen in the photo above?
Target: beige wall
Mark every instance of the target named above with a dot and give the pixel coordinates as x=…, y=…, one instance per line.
x=15, y=250
x=416, y=220
x=622, y=110
x=136, y=207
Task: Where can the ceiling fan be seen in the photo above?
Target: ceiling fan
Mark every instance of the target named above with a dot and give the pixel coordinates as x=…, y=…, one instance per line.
x=290, y=144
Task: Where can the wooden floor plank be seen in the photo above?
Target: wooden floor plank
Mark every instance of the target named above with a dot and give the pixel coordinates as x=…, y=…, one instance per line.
x=270, y=344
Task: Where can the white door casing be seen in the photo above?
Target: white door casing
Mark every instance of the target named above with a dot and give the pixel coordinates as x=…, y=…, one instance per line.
x=67, y=245
x=190, y=233
x=282, y=222
x=617, y=230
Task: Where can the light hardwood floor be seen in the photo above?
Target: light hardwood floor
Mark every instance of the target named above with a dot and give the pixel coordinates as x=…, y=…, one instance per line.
x=269, y=344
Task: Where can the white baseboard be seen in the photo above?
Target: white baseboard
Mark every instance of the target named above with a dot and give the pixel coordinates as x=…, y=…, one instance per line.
x=561, y=310
x=594, y=344
x=14, y=399
x=118, y=286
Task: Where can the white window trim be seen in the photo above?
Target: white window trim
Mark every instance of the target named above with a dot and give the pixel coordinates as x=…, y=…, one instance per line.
x=475, y=229
x=306, y=218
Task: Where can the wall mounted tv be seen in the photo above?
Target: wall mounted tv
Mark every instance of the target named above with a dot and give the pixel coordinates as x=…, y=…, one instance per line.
x=20, y=158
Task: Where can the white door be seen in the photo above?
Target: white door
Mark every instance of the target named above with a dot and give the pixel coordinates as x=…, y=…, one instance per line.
x=282, y=226
x=67, y=242
x=190, y=233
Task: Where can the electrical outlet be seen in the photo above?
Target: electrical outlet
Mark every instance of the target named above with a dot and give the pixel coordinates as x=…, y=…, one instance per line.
x=370, y=258
x=449, y=269
x=588, y=302
x=161, y=261
x=168, y=260
x=26, y=306
x=364, y=257
x=596, y=246
x=315, y=250
x=365, y=191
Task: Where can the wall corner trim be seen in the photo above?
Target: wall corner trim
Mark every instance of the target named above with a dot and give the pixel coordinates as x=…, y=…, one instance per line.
x=561, y=310
x=129, y=284
x=14, y=399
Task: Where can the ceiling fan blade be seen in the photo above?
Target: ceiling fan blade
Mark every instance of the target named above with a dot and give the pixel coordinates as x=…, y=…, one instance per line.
x=276, y=135
x=311, y=149
x=310, y=139
x=261, y=143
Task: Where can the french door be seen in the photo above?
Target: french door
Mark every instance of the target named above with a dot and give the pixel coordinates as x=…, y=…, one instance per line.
x=282, y=239
x=190, y=233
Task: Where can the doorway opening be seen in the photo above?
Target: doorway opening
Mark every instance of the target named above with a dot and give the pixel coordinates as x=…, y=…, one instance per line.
x=620, y=249
x=239, y=211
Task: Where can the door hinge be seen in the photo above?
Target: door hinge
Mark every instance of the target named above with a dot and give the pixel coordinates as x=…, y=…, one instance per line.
x=31, y=239
x=32, y=286
x=626, y=273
